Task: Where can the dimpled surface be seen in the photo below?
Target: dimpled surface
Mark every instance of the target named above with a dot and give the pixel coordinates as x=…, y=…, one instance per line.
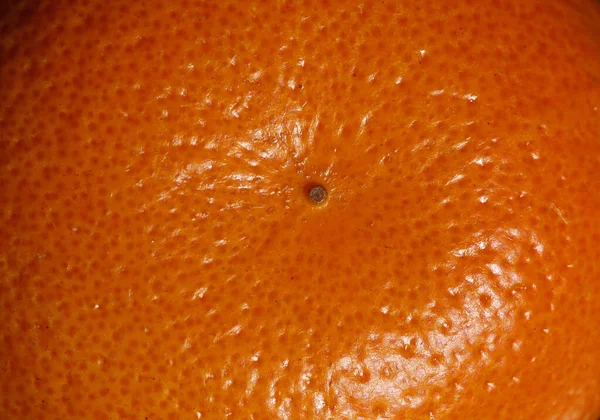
x=160, y=257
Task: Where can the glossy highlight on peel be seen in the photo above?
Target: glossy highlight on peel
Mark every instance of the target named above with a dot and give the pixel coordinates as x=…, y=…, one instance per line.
x=300, y=210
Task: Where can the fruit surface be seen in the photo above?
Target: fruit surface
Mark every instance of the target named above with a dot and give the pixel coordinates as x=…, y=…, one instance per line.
x=162, y=254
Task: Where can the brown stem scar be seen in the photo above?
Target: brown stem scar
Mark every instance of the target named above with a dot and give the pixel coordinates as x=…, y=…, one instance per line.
x=317, y=194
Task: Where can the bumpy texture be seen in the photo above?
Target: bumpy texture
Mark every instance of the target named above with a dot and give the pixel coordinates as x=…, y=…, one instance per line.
x=160, y=257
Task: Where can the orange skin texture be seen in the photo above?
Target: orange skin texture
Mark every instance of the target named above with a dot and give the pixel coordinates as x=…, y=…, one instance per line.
x=160, y=257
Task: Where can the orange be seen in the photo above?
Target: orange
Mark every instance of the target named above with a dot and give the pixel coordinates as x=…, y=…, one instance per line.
x=300, y=209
